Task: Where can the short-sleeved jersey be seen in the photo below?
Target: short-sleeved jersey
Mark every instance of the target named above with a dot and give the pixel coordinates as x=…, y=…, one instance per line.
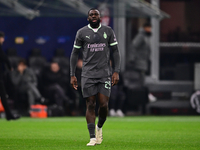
x=96, y=52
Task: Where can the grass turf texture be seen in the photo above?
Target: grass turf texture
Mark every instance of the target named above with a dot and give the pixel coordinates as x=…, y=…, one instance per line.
x=69, y=133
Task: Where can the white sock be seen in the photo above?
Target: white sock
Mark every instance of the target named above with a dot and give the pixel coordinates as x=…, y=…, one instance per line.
x=98, y=128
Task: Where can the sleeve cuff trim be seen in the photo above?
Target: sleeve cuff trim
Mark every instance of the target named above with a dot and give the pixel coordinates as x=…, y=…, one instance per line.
x=77, y=46
x=112, y=44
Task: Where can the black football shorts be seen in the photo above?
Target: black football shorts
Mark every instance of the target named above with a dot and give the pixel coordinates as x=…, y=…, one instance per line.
x=92, y=86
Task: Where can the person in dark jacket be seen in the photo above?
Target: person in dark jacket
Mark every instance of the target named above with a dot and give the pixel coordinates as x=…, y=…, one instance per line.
x=55, y=83
x=4, y=59
x=139, y=56
x=139, y=52
x=25, y=82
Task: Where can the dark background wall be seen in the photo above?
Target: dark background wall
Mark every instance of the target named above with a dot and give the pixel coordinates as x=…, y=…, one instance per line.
x=183, y=25
x=54, y=32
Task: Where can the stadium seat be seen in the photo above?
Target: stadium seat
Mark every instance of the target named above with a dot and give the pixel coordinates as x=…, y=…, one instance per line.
x=36, y=61
x=62, y=60
x=136, y=93
x=13, y=57
x=131, y=79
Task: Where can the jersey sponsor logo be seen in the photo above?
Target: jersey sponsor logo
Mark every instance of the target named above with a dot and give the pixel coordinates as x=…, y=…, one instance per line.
x=105, y=35
x=108, y=85
x=88, y=37
x=96, y=47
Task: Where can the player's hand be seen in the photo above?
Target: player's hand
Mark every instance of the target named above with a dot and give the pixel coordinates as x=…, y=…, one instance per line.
x=115, y=78
x=74, y=82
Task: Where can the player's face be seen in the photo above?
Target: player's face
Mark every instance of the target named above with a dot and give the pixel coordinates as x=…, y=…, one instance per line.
x=94, y=18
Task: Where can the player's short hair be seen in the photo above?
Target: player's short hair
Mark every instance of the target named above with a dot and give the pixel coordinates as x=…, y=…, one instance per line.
x=147, y=24
x=93, y=9
x=2, y=34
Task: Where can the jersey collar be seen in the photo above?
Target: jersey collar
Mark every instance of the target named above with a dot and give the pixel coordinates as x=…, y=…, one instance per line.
x=93, y=29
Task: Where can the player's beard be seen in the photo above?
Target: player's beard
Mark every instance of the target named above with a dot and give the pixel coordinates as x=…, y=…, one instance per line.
x=95, y=24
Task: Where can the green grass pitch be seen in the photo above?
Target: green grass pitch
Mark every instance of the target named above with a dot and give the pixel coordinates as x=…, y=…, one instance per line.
x=128, y=133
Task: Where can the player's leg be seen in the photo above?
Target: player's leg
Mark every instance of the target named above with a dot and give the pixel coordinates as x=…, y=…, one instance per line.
x=104, y=90
x=103, y=111
x=90, y=118
x=90, y=111
x=89, y=91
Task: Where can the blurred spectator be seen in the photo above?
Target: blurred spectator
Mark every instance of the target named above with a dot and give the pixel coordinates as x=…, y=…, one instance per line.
x=62, y=60
x=4, y=59
x=25, y=83
x=139, y=55
x=36, y=61
x=13, y=57
x=139, y=52
x=56, y=85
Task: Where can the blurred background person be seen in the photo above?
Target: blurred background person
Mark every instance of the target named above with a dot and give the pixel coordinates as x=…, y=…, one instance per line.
x=4, y=59
x=139, y=52
x=139, y=55
x=25, y=84
x=56, y=86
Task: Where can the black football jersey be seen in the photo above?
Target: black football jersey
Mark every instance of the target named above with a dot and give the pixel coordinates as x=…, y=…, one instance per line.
x=95, y=45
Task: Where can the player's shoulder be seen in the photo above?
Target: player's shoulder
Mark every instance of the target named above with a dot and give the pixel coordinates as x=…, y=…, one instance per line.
x=83, y=29
x=106, y=27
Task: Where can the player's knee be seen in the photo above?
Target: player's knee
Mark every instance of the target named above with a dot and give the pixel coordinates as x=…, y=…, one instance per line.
x=104, y=106
x=91, y=105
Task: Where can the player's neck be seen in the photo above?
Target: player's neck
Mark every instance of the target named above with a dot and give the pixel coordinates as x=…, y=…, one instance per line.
x=94, y=26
